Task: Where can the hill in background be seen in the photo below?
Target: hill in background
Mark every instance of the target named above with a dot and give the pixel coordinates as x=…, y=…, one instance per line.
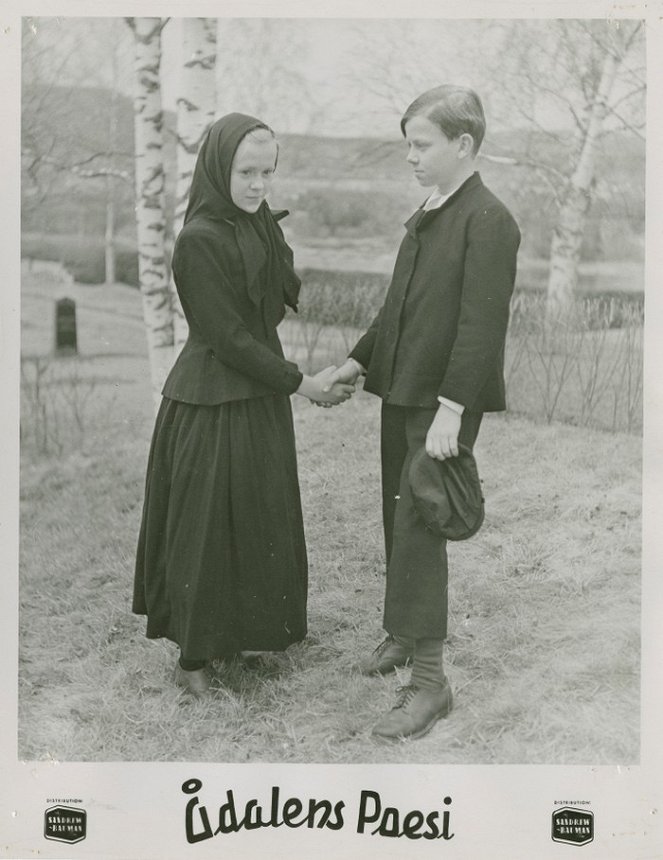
x=338, y=189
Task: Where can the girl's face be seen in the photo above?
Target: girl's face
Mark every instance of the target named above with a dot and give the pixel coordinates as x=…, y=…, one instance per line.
x=252, y=172
x=436, y=160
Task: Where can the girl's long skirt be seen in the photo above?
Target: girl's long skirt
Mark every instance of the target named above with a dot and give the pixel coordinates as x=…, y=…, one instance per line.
x=221, y=562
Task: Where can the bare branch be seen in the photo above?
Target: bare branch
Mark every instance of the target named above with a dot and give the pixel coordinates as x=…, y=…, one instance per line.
x=628, y=96
x=629, y=126
x=518, y=161
x=77, y=170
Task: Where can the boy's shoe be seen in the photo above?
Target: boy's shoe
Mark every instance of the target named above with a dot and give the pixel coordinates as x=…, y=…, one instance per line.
x=415, y=713
x=196, y=681
x=386, y=657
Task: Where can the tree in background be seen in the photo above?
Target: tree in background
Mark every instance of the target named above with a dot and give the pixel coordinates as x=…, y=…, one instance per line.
x=572, y=82
x=612, y=42
x=536, y=77
x=56, y=153
x=552, y=90
x=196, y=104
x=259, y=67
x=150, y=199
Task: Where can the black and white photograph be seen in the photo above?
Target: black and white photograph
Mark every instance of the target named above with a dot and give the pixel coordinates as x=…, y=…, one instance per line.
x=332, y=471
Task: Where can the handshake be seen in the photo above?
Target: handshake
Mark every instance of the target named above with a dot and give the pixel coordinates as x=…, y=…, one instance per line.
x=333, y=385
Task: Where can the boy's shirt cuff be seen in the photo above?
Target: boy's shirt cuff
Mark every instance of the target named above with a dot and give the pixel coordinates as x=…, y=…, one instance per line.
x=457, y=407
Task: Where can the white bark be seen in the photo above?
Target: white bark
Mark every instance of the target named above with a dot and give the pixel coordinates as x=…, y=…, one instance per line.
x=195, y=113
x=109, y=236
x=577, y=195
x=150, y=210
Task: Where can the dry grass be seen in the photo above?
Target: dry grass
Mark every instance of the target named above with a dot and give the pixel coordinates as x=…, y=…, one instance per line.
x=543, y=652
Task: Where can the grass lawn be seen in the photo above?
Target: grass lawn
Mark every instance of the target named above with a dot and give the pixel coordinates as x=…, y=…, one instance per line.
x=544, y=644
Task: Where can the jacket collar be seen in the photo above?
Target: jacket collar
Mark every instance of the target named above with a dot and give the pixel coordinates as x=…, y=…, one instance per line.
x=422, y=216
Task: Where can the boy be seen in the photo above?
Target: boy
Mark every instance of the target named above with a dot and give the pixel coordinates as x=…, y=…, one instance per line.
x=435, y=355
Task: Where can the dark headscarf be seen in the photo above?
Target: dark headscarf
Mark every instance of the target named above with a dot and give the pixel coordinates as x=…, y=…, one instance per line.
x=266, y=256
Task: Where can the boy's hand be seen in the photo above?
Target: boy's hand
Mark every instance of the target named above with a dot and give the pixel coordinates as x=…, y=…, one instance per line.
x=442, y=437
x=348, y=373
x=322, y=390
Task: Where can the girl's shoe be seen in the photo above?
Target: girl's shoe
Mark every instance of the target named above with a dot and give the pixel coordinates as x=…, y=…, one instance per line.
x=196, y=682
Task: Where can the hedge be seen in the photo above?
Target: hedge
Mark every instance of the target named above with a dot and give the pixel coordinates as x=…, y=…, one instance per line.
x=83, y=257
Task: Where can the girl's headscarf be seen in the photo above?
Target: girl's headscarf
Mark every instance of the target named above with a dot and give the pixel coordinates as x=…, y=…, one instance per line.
x=260, y=241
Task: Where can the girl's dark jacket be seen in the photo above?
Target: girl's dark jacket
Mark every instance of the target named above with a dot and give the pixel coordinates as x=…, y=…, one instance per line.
x=442, y=327
x=233, y=350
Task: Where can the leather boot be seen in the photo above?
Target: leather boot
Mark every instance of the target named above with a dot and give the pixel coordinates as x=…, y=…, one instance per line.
x=393, y=651
x=424, y=701
x=415, y=713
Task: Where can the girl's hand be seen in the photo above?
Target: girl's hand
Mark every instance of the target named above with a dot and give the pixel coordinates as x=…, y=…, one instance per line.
x=322, y=391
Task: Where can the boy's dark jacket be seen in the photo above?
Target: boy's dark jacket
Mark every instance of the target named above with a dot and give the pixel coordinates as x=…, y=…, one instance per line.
x=442, y=327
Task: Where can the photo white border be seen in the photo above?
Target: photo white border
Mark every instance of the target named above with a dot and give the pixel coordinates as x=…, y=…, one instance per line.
x=137, y=810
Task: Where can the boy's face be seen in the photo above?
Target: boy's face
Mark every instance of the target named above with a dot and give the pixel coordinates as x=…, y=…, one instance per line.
x=435, y=159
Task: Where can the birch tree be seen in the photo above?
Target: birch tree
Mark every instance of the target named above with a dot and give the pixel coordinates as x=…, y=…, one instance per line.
x=556, y=86
x=260, y=67
x=58, y=148
x=571, y=82
x=150, y=199
x=575, y=198
x=195, y=113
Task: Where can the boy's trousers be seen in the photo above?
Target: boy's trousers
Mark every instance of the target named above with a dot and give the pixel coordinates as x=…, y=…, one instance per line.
x=417, y=574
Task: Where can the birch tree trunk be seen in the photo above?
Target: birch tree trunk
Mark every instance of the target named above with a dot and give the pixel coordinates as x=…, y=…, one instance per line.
x=109, y=234
x=576, y=199
x=150, y=210
x=195, y=113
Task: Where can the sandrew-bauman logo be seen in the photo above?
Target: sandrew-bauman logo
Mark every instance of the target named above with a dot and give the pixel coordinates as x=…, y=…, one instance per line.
x=573, y=826
x=65, y=824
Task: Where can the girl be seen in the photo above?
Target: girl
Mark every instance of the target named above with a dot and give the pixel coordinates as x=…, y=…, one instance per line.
x=221, y=563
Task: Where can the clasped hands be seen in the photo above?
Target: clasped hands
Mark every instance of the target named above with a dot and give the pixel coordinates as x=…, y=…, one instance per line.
x=334, y=385
x=331, y=386
x=442, y=436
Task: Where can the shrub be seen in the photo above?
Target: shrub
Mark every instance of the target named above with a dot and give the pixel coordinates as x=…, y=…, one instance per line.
x=83, y=256
x=350, y=213
x=588, y=372
x=341, y=298
x=585, y=370
x=608, y=309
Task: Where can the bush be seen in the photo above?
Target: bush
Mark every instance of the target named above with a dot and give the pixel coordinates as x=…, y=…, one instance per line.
x=341, y=298
x=608, y=309
x=83, y=256
x=587, y=372
x=349, y=213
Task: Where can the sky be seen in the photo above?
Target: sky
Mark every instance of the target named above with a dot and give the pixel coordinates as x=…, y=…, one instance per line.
x=338, y=77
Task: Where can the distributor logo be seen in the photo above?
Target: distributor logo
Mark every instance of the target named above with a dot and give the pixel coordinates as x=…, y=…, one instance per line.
x=65, y=824
x=573, y=826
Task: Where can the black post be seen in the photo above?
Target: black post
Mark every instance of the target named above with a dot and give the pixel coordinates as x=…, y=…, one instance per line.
x=65, y=327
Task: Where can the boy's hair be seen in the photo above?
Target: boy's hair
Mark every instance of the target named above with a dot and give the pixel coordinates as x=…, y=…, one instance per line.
x=455, y=110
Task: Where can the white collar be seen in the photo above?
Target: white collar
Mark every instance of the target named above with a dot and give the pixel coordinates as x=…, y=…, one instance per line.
x=436, y=199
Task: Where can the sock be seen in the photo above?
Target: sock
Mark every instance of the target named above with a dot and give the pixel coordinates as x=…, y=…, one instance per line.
x=427, y=667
